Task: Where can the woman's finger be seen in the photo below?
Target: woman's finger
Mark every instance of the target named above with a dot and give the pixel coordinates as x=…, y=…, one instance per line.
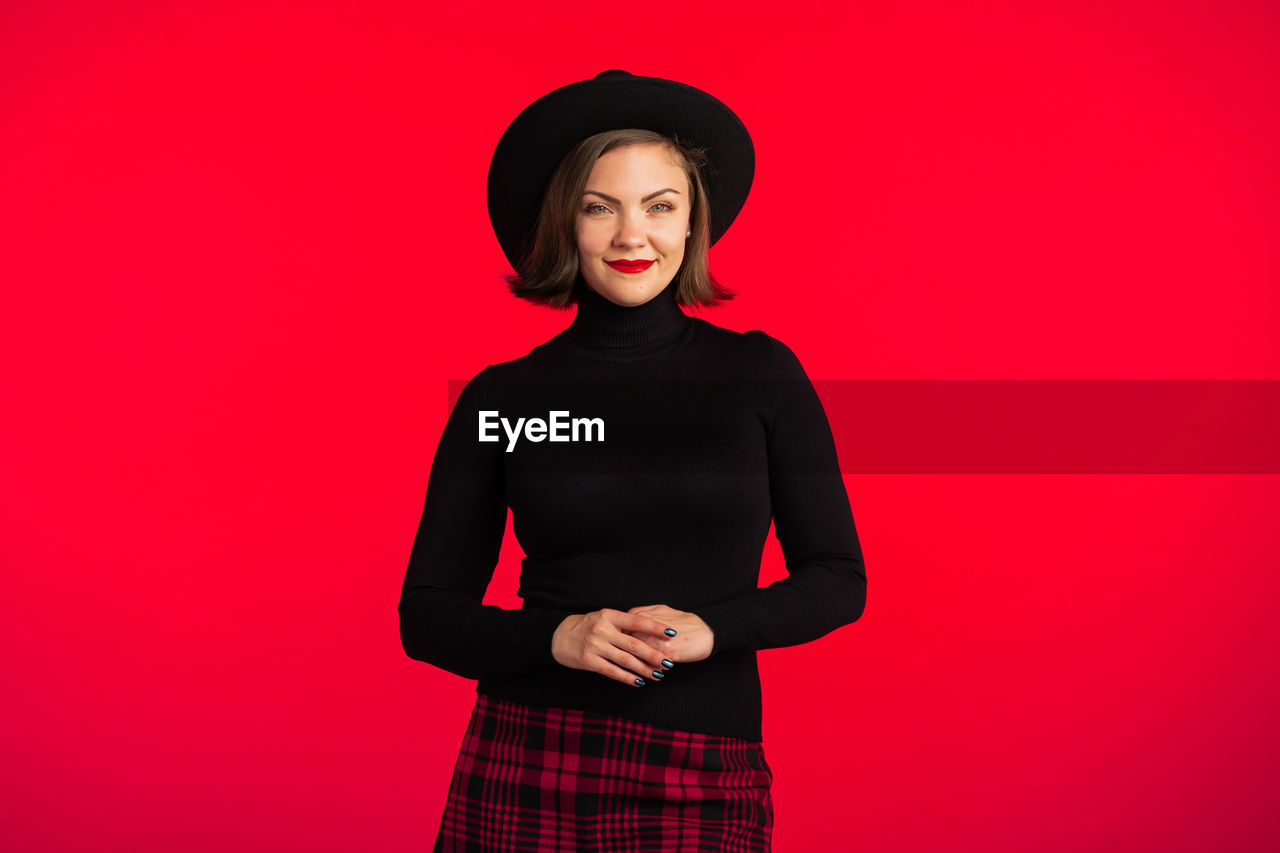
x=609, y=660
x=616, y=673
x=650, y=651
x=642, y=624
x=635, y=647
x=631, y=652
x=658, y=645
x=627, y=648
x=636, y=666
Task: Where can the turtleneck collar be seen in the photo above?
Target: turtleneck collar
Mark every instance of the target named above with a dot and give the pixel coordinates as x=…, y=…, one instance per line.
x=619, y=332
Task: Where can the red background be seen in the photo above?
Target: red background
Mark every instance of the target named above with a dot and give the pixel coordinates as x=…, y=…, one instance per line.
x=244, y=247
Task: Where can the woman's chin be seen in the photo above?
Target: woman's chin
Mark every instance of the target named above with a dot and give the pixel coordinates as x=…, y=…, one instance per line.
x=629, y=295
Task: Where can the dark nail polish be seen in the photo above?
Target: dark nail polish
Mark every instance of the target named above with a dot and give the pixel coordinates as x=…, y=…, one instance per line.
x=639, y=682
x=668, y=664
x=657, y=674
x=671, y=632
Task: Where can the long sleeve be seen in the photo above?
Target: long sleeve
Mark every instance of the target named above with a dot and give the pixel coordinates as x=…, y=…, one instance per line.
x=826, y=585
x=455, y=551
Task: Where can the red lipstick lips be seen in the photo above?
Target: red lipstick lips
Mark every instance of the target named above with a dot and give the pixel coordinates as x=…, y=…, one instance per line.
x=630, y=266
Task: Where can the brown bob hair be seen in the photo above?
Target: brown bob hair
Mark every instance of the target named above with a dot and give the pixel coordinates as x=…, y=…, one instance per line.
x=549, y=271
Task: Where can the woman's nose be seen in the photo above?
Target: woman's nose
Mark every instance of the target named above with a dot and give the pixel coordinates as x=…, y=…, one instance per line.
x=630, y=232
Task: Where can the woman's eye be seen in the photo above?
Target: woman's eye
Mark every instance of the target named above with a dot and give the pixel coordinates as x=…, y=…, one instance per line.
x=659, y=207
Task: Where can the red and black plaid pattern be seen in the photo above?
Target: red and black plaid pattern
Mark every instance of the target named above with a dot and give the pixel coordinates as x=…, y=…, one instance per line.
x=545, y=779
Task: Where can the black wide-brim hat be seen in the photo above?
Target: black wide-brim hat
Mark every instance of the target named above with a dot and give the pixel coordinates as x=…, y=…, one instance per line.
x=548, y=129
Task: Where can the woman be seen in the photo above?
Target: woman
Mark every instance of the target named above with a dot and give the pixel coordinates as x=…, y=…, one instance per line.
x=643, y=453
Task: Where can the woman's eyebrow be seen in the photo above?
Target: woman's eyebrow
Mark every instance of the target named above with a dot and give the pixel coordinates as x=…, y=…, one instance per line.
x=613, y=200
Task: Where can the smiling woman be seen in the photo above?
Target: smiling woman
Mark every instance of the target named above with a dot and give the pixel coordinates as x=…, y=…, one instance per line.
x=619, y=708
x=647, y=183
x=631, y=241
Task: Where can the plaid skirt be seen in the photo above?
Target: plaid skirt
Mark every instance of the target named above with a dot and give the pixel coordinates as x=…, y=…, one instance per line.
x=545, y=779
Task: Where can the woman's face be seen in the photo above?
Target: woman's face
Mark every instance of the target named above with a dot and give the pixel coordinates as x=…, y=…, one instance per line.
x=635, y=208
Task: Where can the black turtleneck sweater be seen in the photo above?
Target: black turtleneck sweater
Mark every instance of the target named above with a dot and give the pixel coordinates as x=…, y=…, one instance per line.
x=691, y=438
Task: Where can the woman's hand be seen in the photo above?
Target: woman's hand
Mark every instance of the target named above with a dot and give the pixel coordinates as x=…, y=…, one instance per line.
x=693, y=641
x=618, y=645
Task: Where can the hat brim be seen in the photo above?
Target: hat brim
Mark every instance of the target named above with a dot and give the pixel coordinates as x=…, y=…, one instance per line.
x=549, y=128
